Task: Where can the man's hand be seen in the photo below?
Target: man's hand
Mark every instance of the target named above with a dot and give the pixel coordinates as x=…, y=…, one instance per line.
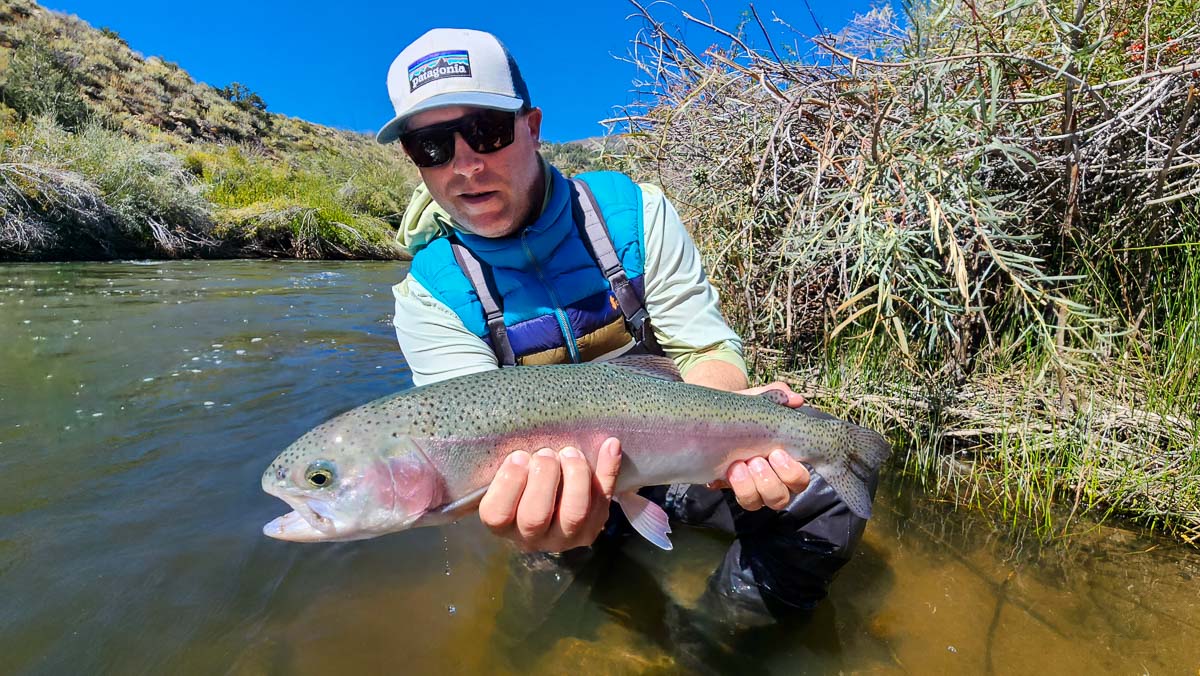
x=523, y=502
x=771, y=481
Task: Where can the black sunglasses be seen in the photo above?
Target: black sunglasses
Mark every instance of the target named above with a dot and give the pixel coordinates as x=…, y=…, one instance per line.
x=485, y=131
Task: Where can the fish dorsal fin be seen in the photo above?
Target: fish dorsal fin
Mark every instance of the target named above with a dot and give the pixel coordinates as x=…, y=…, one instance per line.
x=649, y=365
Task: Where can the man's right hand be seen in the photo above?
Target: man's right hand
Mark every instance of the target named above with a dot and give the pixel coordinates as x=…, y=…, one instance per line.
x=523, y=502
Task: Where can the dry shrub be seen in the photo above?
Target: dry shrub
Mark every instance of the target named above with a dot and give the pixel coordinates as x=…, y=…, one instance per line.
x=943, y=184
x=981, y=221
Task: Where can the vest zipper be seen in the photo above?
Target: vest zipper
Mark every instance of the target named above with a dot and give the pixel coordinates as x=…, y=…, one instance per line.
x=564, y=325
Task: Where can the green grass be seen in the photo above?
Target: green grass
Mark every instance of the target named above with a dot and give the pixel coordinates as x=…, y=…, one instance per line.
x=108, y=153
x=99, y=193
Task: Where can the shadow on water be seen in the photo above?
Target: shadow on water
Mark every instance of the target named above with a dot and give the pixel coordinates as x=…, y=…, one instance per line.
x=139, y=404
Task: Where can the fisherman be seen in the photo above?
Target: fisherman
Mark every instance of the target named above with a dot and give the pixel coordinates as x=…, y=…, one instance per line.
x=515, y=265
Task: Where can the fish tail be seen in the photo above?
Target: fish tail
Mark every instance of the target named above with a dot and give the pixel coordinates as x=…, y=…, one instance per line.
x=851, y=463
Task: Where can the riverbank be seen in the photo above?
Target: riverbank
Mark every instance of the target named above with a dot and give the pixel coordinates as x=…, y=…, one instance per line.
x=94, y=193
x=107, y=154
x=942, y=226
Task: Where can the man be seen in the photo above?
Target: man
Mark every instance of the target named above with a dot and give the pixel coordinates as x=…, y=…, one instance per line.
x=509, y=268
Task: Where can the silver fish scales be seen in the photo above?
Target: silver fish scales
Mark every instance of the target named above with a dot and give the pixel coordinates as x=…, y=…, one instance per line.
x=425, y=456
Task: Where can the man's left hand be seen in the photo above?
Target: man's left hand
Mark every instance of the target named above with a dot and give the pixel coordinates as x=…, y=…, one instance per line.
x=770, y=481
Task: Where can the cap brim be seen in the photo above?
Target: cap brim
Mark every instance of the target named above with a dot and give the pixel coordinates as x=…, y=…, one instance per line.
x=392, y=130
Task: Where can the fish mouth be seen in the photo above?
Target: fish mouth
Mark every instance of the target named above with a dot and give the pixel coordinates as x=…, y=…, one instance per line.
x=309, y=521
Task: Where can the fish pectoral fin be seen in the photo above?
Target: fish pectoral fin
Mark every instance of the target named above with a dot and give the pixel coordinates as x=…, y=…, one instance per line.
x=463, y=505
x=646, y=518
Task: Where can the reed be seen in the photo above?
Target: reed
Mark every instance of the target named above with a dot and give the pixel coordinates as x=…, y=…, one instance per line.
x=974, y=225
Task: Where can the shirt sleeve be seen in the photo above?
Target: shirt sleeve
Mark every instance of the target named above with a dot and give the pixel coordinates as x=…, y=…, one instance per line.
x=684, y=307
x=435, y=342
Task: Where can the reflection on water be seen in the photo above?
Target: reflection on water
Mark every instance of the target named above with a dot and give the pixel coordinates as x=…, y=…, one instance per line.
x=139, y=404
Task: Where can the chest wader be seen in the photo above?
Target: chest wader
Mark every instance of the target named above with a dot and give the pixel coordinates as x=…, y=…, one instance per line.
x=781, y=562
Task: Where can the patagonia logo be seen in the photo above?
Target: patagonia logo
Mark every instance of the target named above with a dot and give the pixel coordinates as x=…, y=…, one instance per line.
x=433, y=67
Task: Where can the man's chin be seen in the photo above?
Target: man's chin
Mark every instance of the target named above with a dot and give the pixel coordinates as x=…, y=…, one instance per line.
x=491, y=226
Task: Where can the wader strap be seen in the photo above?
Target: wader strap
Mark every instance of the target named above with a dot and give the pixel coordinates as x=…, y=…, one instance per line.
x=600, y=242
x=492, y=312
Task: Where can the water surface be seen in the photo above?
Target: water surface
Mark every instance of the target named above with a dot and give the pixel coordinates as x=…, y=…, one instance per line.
x=140, y=402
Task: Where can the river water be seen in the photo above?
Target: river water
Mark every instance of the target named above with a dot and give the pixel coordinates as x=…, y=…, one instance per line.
x=140, y=402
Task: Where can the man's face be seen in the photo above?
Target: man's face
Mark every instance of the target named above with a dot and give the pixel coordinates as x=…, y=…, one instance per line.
x=491, y=194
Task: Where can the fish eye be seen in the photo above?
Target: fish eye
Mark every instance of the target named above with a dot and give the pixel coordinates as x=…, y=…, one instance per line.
x=319, y=474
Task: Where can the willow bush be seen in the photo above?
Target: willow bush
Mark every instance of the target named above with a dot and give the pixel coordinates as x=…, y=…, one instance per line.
x=974, y=207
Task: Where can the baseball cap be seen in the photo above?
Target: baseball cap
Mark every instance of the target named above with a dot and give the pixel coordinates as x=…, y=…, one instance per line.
x=452, y=67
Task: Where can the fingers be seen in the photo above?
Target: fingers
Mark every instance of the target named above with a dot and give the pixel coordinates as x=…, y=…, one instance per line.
x=608, y=465
x=760, y=483
x=743, y=486
x=536, y=509
x=770, y=489
x=793, y=474
x=498, y=508
x=575, y=504
x=551, y=501
x=794, y=400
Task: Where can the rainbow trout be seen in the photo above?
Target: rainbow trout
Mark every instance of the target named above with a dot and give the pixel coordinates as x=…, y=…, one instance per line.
x=425, y=456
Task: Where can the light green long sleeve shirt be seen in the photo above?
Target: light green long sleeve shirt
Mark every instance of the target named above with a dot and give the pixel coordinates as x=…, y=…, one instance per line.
x=683, y=305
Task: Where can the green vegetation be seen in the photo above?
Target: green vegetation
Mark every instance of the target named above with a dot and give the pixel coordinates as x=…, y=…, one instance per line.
x=976, y=228
x=107, y=154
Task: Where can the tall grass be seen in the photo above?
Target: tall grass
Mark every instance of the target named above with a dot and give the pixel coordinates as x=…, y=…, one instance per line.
x=98, y=193
x=108, y=153
x=974, y=227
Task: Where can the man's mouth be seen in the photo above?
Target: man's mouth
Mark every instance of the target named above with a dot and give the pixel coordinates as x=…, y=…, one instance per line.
x=477, y=197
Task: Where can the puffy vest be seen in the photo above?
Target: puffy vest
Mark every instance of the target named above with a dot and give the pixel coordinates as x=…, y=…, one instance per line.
x=546, y=290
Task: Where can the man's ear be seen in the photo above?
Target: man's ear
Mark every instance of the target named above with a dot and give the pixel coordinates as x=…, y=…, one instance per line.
x=534, y=119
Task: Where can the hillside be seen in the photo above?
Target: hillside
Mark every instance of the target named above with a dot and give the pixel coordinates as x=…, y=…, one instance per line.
x=107, y=153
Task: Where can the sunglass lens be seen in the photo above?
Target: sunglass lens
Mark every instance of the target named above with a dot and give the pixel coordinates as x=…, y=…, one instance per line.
x=485, y=132
x=429, y=148
x=489, y=131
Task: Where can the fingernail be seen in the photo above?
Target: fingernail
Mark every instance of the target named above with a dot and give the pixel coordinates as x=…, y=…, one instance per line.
x=780, y=458
x=569, y=452
x=614, y=450
x=519, y=458
x=738, y=473
x=759, y=465
x=546, y=453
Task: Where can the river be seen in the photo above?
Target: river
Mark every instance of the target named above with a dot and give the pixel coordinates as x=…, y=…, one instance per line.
x=141, y=401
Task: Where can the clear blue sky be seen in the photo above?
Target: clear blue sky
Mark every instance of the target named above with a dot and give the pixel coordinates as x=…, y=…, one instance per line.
x=326, y=62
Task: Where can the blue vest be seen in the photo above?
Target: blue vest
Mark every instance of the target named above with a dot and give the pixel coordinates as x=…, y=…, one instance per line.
x=558, y=306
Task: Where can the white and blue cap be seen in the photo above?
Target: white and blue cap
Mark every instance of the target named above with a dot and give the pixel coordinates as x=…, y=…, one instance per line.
x=452, y=67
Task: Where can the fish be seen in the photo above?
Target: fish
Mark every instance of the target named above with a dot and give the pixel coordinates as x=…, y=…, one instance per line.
x=425, y=456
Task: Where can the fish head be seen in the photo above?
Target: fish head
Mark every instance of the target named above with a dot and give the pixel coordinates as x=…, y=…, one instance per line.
x=343, y=484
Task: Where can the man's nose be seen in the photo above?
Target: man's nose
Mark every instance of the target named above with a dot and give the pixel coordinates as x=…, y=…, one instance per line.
x=466, y=161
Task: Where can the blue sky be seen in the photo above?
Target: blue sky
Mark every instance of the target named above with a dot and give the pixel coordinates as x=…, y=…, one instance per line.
x=327, y=62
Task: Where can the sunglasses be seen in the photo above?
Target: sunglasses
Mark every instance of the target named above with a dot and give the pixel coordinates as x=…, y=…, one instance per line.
x=485, y=131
